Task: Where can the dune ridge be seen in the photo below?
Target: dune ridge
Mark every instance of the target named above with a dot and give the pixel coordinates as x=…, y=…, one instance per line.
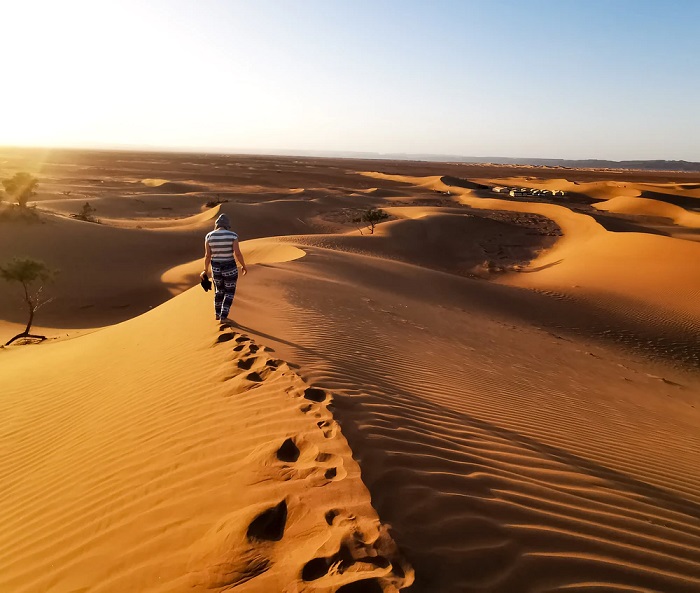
x=532, y=476
x=589, y=262
x=179, y=461
x=649, y=207
x=194, y=222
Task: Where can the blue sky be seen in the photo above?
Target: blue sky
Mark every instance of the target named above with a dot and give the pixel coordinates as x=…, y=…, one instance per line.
x=558, y=79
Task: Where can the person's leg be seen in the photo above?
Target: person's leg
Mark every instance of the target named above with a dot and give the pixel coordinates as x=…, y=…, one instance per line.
x=230, y=279
x=219, y=288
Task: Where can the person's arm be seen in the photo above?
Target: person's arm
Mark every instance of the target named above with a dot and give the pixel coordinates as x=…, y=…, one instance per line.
x=239, y=256
x=207, y=259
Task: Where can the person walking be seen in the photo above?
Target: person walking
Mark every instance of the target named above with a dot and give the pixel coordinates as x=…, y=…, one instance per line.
x=221, y=251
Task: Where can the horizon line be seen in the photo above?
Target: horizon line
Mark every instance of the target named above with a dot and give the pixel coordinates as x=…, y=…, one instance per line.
x=334, y=153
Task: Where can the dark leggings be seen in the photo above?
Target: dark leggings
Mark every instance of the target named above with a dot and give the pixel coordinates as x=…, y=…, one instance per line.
x=225, y=275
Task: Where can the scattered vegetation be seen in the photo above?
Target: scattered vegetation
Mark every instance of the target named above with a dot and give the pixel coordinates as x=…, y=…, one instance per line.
x=28, y=272
x=21, y=187
x=13, y=213
x=87, y=213
x=216, y=202
x=371, y=218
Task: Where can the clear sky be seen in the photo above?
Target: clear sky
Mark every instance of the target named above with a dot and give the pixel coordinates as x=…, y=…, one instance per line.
x=616, y=79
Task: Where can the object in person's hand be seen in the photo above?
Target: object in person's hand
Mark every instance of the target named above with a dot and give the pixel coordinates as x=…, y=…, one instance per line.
x=206, y=284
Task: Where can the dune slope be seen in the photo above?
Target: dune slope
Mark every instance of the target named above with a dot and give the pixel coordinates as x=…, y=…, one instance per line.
x=162, y=454
x=650, y=279
x=648, y=207
x=507, y=457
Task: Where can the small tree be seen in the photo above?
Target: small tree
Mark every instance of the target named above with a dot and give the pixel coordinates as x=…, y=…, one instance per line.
x=371, y=217
x=27, y=272
x=216, y=202
x=87, y=213
x=21, y=187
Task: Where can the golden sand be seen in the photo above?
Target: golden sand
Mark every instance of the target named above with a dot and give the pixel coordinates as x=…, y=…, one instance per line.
x=483, y=394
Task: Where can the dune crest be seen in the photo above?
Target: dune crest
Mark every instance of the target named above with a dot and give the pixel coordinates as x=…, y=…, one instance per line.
x=194, y=222
x=255, y=251
x=179, y=187
x=185, y=459
x=154, y=182
x=590, y=262
x=649, y=207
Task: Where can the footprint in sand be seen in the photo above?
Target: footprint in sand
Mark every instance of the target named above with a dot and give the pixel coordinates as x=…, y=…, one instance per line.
x=329, y=428
x=361, y=560
x=288, y=451
x=246, y=364
x=306, y=408
x=331, y=515
x=316, y=398
x=316, y=395
x=258, y=376
x=231, y=553
x=269, y=525
x=225, y=338
x=252, y=380
x=331, y=466
x=249, y=360
x=358, y=564
x=304, y=461
x=246, y=348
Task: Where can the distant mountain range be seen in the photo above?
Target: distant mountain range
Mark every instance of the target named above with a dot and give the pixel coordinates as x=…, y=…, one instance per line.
x=654, y=165
x=650, y=165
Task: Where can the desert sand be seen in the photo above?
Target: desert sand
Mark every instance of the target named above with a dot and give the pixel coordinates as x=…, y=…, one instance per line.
x=485, y=394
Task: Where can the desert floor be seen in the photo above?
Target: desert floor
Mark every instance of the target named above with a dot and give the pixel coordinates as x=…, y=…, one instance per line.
x=489, y=393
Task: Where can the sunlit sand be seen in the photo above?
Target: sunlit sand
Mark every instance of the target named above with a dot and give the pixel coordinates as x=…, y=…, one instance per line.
x=485, y=393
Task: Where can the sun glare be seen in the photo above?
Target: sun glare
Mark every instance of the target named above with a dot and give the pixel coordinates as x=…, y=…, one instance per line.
x=80, y=73
x=234, y=74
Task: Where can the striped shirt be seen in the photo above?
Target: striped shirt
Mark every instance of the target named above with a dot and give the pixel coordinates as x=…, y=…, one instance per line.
x=221, y=243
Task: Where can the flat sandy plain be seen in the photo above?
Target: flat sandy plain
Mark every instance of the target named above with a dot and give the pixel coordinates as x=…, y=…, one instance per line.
x=488, y=394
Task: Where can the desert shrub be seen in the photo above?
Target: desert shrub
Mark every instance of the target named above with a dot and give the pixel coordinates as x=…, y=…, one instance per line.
x=87, y=213
x=28, y=272
x=371, y=217
x=14, y=213
x=216, y=202
x=21, y=187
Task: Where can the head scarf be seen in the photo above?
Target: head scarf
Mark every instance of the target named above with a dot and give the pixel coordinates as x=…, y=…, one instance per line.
x=223, y=222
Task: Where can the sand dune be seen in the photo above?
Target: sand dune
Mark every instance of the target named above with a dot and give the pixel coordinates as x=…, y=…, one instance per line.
x=647, y=207
x=484, y=395
x=194, y=222
x=434, y=182
x=601, y=190
x=192, y=459
x=590, y=262
x=443, y=239
x=257, y=251
x=501, y=454
x=125, y=207
x=383, y=193
x=175, y=187
x=106, y=274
